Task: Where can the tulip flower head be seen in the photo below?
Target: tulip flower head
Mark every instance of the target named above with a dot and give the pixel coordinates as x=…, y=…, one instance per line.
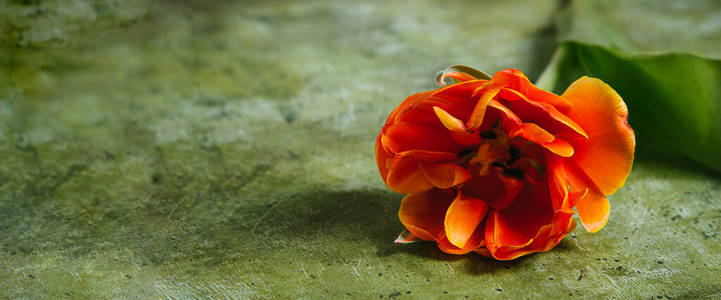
x=496, y=165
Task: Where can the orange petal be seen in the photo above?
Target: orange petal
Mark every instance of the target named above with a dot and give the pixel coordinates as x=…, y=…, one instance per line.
x=419, y=117
x=405, y=176
x=454, y=99
x=405, y=136
x=474, y=242
x=458, y=91
x=479, y=111
x=592, y=207
x=462, y=219
x=466, y=138
x=566, y=191
x=560, y=147
x=607, y=155
x=568, y=178
x=458, y=108
x=455, y=75
x=495, y=188
x=456, y=128
x=547, y=237
x=558, y=185
x=449, y=121
x=408, y=102
x=509, y=253
x=538, y=135
x=562, y=224
x=430, y=156
x=516, y=226
x=495, y=239
x=516, y=80
x=382, y=158
x=423, y=213
x=593, y=210
x=444, y=175
x=543, y=114
x=509, y=121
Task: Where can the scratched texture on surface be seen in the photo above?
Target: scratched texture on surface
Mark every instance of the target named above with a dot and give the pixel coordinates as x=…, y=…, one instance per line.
x=167, y=149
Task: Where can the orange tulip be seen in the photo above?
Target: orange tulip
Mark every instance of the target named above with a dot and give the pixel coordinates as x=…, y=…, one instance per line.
x=497, y=166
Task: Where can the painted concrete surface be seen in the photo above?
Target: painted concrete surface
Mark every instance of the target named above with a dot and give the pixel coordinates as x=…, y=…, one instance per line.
x=165, y=149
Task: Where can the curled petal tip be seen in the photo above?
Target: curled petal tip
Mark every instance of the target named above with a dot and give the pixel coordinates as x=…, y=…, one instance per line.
x=460, y=73
x=405, y=237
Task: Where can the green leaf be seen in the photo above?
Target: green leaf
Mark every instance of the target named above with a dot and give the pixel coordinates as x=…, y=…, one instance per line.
x=674, y=99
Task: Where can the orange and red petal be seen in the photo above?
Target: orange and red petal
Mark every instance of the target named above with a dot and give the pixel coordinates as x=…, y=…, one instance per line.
x=444, y=175
x=423, y=213
x=460, y=76
x=466, y=138
x=560, y=147
x=407, y=136
x=592, y=206
x=473, y=244
x=563, y=224
x=407, y=103
x=607, y=155
x=455, y=99
x=383, y=159
x=420, y=117
x=544, y=114
x=405, y=174
x=557, y=183
x=540, y=136
x=515, y=126
x=548, y=236
x=593, y=210
x=536, y=134
x=450, y=122
x=462, y=218
x=458, y=91
x=566, y=187
x=479, y=110
x=510, y=122
x=456, y=127
x=516, y=226
x=496, y=189
x=516, y=80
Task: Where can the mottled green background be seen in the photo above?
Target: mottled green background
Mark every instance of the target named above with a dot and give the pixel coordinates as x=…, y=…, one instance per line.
x=185, y=149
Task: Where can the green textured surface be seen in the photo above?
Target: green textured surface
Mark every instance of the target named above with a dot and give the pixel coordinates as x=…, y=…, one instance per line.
x=226, y=149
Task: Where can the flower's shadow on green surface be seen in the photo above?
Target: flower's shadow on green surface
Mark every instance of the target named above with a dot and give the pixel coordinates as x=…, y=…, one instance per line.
x=367, y=216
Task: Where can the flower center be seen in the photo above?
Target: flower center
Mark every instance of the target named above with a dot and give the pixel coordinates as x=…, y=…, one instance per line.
x=497, y=150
